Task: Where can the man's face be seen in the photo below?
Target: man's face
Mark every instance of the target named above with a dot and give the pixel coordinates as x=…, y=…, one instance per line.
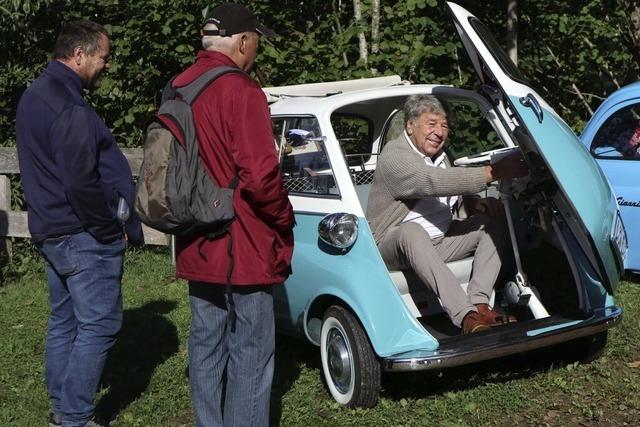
x=95, y=64
x=428, y=133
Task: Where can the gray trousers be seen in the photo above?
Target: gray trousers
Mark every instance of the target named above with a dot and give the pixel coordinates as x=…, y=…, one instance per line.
x=241, y=362
x=409, y=247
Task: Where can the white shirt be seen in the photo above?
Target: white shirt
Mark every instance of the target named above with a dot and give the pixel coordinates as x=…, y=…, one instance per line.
x=432, y=213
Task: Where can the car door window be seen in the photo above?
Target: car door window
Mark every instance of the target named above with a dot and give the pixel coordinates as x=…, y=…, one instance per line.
x=354, y=133
x=304, y=163
x=619, y=136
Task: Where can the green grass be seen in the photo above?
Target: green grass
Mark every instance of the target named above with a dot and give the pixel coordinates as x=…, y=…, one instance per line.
x=145, y=382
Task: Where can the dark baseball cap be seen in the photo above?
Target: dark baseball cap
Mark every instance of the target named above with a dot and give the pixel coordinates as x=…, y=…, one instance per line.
x=234, y=18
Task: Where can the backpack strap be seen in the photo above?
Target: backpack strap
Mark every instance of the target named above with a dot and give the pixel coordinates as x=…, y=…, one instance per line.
x=190, y=92
x=168, y=92
x=228, y=287
x=234, y=183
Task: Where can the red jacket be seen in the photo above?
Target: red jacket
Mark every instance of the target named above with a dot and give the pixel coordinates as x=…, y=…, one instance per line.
x=233, y=126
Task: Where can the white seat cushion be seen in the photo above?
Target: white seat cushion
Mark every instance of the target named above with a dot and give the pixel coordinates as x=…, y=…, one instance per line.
x=419, y=297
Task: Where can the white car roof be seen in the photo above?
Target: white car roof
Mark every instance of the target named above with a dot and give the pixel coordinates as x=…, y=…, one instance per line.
x=317, y=104
x=330, y=88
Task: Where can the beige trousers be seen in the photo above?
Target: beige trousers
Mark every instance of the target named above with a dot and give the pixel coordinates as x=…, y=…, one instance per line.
x=409, y=247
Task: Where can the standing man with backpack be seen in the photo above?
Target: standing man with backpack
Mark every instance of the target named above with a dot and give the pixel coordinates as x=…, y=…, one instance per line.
x=78, y=185
x=232, y=335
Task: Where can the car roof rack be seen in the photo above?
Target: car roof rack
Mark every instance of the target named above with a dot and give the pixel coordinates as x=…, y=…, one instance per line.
x=325, y=89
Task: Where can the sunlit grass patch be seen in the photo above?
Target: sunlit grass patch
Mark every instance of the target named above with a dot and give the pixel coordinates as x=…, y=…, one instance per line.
x=145, y=381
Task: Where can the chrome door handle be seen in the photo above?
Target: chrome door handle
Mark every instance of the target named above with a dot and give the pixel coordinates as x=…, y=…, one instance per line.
x=531, y=102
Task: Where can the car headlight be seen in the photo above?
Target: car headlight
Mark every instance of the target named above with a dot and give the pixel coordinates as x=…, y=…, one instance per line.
x=339, y=230
x=619, y=240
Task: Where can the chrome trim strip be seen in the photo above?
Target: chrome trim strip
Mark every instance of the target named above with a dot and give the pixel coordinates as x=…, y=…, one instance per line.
x=462, y=355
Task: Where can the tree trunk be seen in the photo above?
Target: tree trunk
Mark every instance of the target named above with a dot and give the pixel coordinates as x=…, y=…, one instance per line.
x=375, y=30
x=362, y=40
x=375, y=26
x=633, y=29
x=336, y=18
x=604, y=66
x=512, y=30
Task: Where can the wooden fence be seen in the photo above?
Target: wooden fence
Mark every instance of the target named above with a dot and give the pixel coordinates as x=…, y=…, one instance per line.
x=14, y=223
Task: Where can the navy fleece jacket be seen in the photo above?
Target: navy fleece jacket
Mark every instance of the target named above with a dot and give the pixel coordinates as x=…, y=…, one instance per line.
x=71, y=168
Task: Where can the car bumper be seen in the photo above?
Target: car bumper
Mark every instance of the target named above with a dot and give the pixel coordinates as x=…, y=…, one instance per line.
x=504, y=341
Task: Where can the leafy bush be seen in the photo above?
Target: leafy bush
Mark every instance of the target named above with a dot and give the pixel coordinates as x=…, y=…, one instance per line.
x=153, y=40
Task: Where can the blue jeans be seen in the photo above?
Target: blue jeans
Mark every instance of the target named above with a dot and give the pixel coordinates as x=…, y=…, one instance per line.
x=239, y=362
x=86, y=314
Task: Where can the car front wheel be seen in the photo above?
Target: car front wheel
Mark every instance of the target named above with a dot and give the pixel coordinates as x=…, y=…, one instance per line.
x=351, y=369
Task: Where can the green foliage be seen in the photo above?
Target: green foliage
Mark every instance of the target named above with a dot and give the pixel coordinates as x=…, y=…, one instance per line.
x=317, y=41
x=24, y=257
x=583, y=47
x=560, y=45
x=151, y=41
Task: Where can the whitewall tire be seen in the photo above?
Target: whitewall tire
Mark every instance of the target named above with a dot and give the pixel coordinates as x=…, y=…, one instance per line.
x=351, y=368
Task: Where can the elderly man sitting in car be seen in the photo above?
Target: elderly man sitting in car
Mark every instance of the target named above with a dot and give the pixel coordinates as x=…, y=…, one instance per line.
x=410, y=211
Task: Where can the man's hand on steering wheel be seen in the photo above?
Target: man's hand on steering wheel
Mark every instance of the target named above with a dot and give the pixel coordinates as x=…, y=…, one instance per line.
x=511, y=166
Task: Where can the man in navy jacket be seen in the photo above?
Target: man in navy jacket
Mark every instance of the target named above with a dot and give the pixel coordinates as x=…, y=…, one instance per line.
x=74, y=175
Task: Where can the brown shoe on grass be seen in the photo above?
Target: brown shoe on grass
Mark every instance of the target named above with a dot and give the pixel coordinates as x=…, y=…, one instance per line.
x=473, y=323
x=492, y=317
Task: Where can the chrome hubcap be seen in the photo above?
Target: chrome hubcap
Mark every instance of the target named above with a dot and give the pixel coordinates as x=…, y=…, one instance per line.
x=339, y=360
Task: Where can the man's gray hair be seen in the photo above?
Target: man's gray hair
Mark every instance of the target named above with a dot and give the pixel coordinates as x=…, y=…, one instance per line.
x=417, y=105
x=219, y=43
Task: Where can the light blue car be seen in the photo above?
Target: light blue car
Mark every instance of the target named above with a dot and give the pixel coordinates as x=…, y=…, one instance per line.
x=566, y=227
x=613, y=138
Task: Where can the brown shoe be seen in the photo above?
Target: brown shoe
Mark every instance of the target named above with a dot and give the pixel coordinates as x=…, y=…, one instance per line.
x=492, y=317
x=473, y=323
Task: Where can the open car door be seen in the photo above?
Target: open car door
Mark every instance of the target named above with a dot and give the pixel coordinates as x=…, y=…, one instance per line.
x=580, y=191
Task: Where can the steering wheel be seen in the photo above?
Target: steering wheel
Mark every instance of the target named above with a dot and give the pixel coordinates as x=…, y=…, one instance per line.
x=485, y=157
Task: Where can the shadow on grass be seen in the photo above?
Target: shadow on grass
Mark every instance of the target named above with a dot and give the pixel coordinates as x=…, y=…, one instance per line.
x=421, y=385
x=146, y=340
x=632, y=277
x=289, y=354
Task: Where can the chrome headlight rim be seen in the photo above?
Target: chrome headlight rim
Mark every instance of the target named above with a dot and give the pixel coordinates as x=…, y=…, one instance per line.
x=339, y=230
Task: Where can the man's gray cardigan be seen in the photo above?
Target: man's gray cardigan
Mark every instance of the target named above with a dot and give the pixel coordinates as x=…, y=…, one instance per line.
x=402, y=178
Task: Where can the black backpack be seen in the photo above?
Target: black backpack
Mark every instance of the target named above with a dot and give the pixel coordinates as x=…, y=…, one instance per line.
x=175, y=194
